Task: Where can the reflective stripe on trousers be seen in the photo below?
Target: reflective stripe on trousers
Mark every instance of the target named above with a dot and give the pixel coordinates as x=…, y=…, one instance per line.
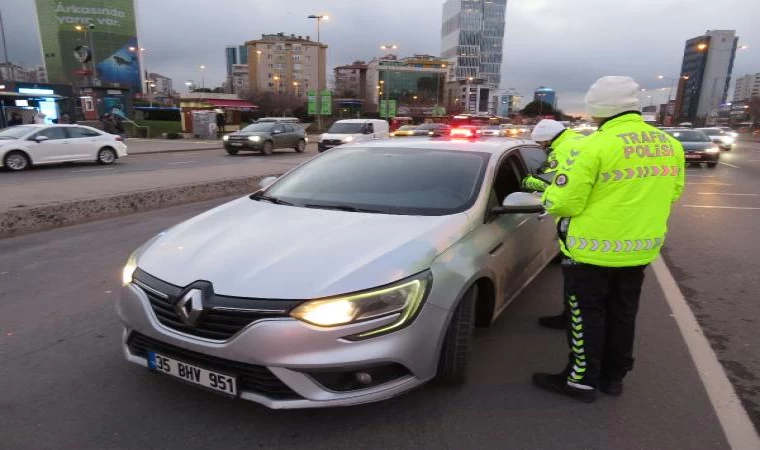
x=603, y=245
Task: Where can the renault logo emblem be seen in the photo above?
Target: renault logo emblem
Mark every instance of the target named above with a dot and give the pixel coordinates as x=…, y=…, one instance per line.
x=190, y=306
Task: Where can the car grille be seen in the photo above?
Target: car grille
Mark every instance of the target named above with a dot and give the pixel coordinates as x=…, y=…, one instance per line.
x=331, y=142
x=252, y=378
x=238, y=138
x=222, y=316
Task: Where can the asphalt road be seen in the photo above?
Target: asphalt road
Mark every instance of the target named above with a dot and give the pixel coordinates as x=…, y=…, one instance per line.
x=65, y=384
x=713, y=249
x=162, y=162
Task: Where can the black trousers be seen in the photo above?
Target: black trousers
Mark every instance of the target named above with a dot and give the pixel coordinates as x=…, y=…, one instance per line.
x=601, y=304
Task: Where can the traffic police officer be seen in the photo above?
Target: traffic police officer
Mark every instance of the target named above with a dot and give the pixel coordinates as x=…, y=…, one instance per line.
x=613, y=201
x=554, y=138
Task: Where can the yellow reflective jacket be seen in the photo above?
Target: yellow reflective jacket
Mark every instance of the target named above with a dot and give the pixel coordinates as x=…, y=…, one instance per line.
x=559, y=149
x=615, y=192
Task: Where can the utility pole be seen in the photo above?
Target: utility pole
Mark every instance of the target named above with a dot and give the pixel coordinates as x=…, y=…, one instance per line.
x=319, y=18
x=8, y=65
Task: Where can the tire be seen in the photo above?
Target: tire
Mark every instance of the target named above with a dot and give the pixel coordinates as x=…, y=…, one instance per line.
x=16, y=161
x=457, y=345
x=267, y=148
x=301, y=146
x=232, y=151
x=107, y=156
x=712, y=165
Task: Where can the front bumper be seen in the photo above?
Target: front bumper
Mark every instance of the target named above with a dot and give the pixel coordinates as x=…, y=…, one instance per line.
x=697, y=157
x=289, y=348
x=243, y=145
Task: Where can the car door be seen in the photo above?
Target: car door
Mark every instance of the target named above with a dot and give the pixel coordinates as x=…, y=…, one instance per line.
x=533, y=161
x=54, y=149
x=292, y=136
x=83, y=143
x=279, y=136
x=510, y=236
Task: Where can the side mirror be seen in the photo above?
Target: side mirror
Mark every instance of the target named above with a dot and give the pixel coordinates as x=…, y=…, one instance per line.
x=520, y=203
x=39, y=139
x=266, y=182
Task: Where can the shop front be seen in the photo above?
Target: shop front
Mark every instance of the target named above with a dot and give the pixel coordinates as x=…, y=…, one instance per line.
x=25, y=100
x=228, y=106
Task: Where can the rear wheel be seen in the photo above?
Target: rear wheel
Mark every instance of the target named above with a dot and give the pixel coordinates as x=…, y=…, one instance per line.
x=301, y=146
x=106, y=156
x=457, y=345
x=267, y=148
x=712, y=165
x=16, y=161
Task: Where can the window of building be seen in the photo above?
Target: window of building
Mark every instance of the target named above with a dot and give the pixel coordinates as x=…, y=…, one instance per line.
x=297, y=58
x=279, y=47
x=269, y=47
x=269, y=56
x=297, y=48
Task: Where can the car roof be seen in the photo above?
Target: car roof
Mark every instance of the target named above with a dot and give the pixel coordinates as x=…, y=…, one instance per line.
x=492, y=145
x=359, y=120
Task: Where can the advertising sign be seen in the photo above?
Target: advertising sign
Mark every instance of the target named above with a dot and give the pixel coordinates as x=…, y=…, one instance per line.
x=325, y=103
x=77, y=34
x=384, y=108
x=312, y=104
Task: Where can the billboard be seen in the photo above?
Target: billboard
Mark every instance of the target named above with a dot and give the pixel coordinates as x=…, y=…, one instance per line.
x=79, y=34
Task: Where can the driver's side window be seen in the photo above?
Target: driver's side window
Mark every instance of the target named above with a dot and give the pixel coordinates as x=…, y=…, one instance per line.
x=279, y=128
x=369, y=128
x=508, y=178
x=51, y=133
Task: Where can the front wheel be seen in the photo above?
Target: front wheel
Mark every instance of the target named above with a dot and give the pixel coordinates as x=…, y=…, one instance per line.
x=301, y=146
x=712, y=165
x=267, y=148
x=16, y=161
x=106, y=156
x=457, y=345
x=232, y=151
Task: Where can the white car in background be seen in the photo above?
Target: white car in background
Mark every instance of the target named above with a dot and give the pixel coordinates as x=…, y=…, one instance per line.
x=23, y=146
x=724, y=140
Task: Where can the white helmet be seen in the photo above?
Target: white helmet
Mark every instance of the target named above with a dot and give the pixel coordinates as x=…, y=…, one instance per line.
x=546, y=130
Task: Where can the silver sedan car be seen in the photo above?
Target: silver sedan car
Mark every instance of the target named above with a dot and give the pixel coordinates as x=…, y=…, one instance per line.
x=353, y=278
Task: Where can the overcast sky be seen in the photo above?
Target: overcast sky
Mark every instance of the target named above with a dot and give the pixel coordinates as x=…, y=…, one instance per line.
x=563, y=44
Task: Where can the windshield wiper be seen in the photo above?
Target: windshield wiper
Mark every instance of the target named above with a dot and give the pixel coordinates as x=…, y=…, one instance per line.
x=267, y=198
x=344, y=208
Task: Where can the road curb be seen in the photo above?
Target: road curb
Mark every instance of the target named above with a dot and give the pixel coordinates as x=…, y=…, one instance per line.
x=38, y=218
x=180, y=150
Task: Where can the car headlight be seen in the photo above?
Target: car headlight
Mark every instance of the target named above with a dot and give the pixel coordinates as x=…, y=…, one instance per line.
x=348, y=139
x=403, y=299
x=254, y=138
x=713, y=149
x=728, y=140
x=225, y=138
x=129, y=269
x=131, y=266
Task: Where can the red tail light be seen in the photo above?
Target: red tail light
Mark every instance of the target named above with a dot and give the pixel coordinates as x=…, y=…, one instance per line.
x=463, y=132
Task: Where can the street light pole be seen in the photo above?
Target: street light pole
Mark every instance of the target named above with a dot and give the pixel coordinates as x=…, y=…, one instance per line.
x=203, y=76
x=143, y=70
x=8, y=65
x=319, y=18
x=387, y=84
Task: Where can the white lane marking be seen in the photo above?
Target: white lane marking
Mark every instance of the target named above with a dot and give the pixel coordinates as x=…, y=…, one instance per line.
x=91, y=170
x=708, y=184
x=179, y=162
x=718, y=207
x=734, y=420
x=724, y=193
x=729, y=165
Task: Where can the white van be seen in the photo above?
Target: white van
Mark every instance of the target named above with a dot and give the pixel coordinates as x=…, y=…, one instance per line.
x=352, y=130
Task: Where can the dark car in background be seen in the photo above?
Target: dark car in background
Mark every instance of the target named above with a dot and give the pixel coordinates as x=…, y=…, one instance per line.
x=266, y=137
x=433, y=129
x=697, y=146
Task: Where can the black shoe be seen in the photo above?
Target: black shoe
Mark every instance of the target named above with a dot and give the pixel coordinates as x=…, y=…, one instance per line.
x=558, y=384
x=613, y=388
x=558, y=322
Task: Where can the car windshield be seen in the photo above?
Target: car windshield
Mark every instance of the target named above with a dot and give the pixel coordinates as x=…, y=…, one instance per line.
x=689, y=135
x=259, y=127
x=423, y=182
x=16, y=132
x=347, y=128
x=492, y=127
x=712, y=131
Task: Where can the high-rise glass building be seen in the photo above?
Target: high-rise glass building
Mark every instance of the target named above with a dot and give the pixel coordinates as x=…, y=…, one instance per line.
x=472, y=34
x=708, y=61
x=546, y=95
x=231, y=58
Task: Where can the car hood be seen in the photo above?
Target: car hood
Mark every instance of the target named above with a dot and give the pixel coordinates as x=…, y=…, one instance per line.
x=252, y=133
x=255, y=249
x=340, y=136
x=696, y=146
